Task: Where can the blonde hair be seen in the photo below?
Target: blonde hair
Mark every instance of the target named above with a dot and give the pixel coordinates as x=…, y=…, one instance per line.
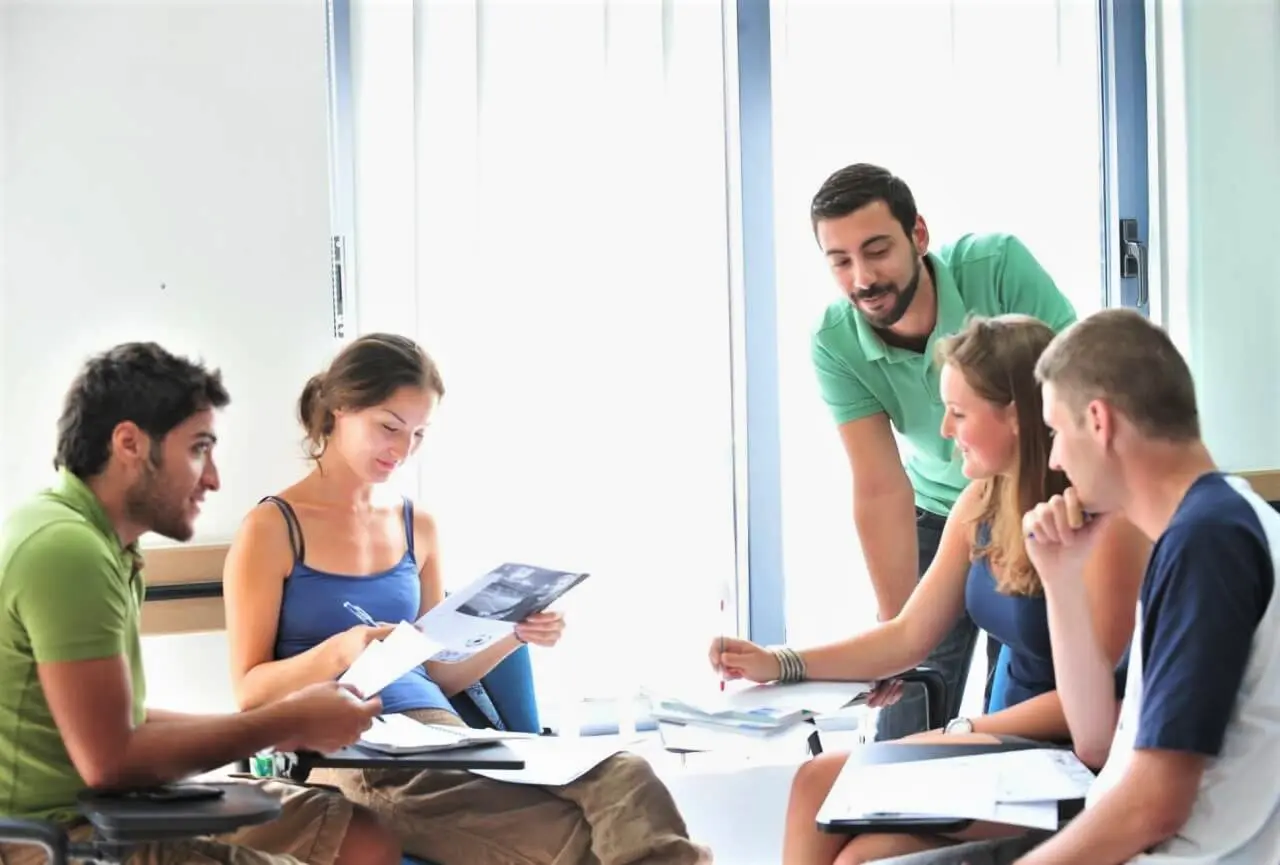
x=997, y=357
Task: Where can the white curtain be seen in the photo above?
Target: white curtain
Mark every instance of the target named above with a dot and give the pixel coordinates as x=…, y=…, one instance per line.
x=572, y=280
x=989, y=110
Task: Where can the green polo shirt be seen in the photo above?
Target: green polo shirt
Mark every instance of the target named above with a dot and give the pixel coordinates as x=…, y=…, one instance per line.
x=68, y=592
x=860, y=375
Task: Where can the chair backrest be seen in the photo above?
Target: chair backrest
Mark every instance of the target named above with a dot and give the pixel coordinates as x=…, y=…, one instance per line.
x=504, y=699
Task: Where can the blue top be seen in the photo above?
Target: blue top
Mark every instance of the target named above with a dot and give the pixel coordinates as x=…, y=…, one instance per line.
x=1208, y=585
x=1021, y=624
x=311, y=610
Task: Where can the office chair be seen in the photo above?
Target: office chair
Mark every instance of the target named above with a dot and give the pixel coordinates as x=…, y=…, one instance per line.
x=124, y=819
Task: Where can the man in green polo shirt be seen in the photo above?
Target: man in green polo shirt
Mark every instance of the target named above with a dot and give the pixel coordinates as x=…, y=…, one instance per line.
x=135, y=455
x=873, y=352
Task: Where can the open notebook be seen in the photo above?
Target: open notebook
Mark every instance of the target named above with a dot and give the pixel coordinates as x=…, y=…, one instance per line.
x=399, y=734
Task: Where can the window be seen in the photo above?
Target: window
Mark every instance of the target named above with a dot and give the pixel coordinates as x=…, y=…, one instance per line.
x=990, y=112
x=572, y=281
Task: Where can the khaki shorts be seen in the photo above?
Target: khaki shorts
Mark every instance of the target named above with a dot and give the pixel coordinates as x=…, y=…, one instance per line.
x=310, y=829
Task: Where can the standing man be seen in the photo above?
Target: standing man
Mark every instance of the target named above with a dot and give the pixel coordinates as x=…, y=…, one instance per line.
x=873, y=353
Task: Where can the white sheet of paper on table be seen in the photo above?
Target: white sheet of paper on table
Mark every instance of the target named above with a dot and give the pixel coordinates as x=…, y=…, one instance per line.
x=817, y=697
x=1037, y=774
x=1016, y=787
x=551, y=761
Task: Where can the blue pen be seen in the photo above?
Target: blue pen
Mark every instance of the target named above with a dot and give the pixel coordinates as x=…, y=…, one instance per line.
x=360, y=614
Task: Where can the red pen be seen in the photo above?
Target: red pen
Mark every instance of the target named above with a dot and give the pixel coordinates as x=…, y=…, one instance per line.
x=722, y=644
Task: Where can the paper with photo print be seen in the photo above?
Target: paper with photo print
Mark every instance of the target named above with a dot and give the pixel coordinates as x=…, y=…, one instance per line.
x=489, y=609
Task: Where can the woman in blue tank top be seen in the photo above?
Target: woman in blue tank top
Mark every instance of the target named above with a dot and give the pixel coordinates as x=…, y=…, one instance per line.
x=333, y=539
x=994, y=416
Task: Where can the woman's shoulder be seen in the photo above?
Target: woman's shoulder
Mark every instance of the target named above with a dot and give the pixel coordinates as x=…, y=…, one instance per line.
x=424, y=523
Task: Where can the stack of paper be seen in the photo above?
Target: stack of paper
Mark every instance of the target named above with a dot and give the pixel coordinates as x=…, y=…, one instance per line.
x=400, y=734
x=1020, y=788
x=760, y=710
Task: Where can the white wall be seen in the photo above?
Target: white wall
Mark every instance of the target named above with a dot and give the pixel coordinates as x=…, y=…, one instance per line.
x=165, y=176
x=1216, y=92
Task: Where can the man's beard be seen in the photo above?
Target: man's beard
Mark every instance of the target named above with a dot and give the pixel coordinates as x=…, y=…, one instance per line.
x=902, y=300
x=150, y=506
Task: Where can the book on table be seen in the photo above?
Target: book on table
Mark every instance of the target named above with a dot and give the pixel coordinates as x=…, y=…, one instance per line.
x=760, y=710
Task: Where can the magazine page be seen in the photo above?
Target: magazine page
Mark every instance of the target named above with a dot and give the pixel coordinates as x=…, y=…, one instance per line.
x=489, y=608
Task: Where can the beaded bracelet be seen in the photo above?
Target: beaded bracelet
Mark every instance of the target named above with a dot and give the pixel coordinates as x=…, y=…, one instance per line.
x=790, y=665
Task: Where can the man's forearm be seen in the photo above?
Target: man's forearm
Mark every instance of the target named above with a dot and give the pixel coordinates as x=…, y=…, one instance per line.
x=1085, y=677
x=886, y=525
x=175, y=746
x=1122, y=824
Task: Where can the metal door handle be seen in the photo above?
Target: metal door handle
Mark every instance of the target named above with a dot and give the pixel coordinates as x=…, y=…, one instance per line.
x=1133, y=259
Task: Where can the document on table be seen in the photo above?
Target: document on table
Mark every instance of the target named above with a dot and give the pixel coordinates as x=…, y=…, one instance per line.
x=400, y=734
x=758, y=709
x=384, y=661
x=550, y=761
x=1014, y=787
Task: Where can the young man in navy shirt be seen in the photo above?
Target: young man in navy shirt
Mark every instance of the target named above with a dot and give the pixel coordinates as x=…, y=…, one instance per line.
x=1191, y=771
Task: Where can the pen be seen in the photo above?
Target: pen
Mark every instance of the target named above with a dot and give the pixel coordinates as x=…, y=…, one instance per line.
x=360, y=614
x=722, y=644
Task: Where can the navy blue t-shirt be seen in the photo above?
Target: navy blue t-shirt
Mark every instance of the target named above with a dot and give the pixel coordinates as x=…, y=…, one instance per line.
x=1207, y=586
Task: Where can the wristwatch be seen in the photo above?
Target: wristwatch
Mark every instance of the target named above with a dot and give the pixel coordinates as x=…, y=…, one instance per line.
x=958, y=725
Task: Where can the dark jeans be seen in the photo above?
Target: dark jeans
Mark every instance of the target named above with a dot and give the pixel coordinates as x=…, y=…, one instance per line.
x=951, y=657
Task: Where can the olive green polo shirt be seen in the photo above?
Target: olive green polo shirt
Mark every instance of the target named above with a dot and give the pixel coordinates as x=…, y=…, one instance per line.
x=859, y=375
x=68, y=592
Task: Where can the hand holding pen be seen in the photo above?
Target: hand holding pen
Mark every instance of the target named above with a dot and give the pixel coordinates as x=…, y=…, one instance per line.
x=351, y=642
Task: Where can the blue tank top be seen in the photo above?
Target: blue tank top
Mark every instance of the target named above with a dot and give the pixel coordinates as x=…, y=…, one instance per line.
x=1021, y=623
x=311, y=610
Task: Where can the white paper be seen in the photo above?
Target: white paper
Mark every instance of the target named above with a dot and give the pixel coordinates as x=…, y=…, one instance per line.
x=383, y=661
x=1039, y=774
x=922, y=787
x=489, y=608
x=550, y=761
x=818, y=698
x=701, y=738
x=402, y=734
x=1015, y=787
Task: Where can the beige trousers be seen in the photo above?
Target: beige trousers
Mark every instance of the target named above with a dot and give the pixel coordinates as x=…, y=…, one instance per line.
x=619, y=813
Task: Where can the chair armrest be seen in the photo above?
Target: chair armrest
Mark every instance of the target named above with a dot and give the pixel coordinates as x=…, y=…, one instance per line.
x=132, y=816
x=935, y=688
x=47, y=835
x=509, y=689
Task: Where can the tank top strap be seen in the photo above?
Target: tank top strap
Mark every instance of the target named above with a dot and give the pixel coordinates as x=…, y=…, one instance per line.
x=296, y=542
x=408, y=525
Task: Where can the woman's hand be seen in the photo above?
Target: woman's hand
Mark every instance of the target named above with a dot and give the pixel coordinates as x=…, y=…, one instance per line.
x=742, y=659
x=541, y=629
x=350, y=643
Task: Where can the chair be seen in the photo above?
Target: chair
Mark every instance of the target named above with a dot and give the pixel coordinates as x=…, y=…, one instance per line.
x=123, y=819
x=935, y=701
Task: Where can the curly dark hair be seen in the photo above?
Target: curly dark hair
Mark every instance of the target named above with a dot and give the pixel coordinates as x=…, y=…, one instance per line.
x=134, y=381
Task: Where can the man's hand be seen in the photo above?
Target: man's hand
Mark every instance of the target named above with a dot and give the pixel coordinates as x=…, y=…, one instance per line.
x=328, y=716
x=1059, y=537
